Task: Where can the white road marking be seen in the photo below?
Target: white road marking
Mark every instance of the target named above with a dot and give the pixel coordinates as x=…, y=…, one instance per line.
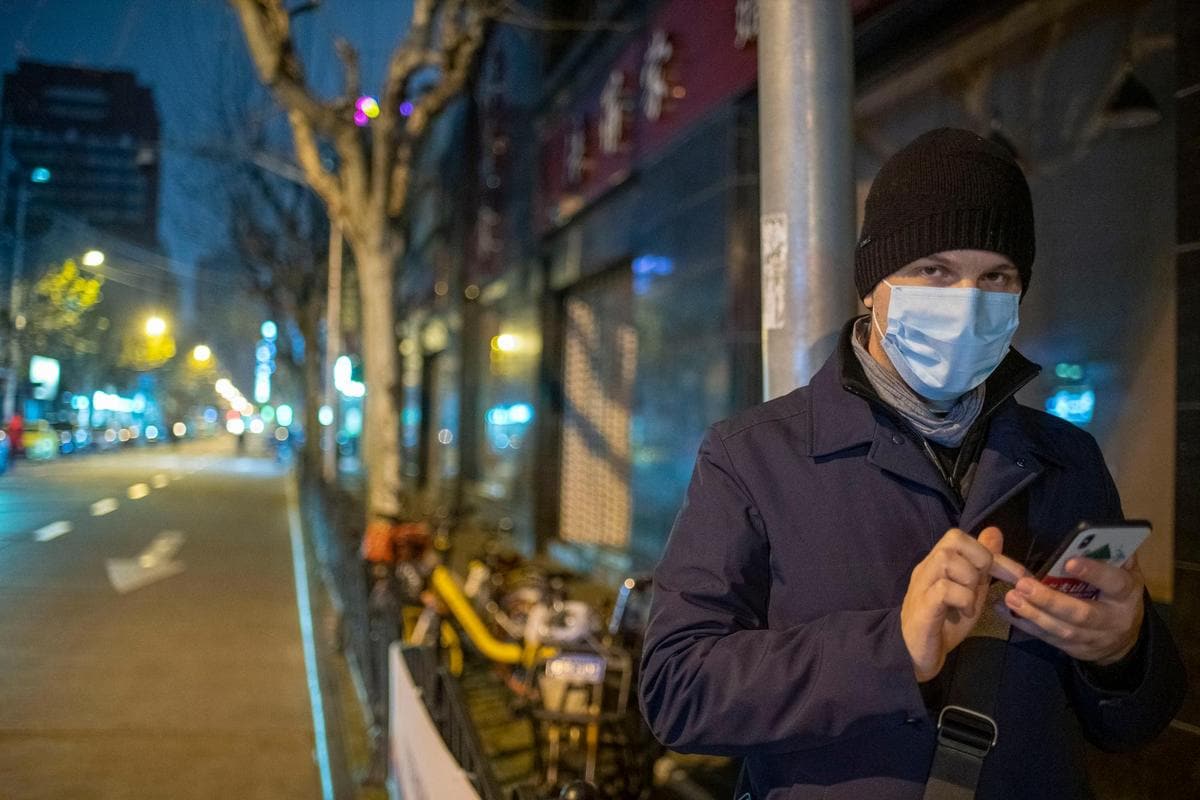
x=52, y=531
x=105, y=506
x=308, y=638
x=160, y=481
x=138, y=491
x=152, y=564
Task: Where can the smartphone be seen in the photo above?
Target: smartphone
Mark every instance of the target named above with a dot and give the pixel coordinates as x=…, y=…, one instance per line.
x=1111, y=542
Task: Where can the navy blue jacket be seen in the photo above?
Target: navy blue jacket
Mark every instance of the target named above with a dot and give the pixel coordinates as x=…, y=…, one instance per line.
x=774, y=631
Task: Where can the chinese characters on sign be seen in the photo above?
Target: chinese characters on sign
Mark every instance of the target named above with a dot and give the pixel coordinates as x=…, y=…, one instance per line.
x=576, y=152
x=745, y=23
x=654, y=80
x=612, y=112
x=662, y=83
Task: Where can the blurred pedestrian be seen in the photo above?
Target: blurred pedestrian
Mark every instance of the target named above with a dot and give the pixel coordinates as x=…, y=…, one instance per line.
x=824, y=597
x=16, y=434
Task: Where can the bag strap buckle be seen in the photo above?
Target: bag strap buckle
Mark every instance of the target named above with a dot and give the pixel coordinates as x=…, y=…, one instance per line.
x=966, y=731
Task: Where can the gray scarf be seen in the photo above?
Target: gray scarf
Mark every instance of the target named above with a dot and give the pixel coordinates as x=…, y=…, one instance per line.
x=946, y=426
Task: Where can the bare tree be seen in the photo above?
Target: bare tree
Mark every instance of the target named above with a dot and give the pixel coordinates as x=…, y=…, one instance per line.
x=281, y=234
x=367, y=190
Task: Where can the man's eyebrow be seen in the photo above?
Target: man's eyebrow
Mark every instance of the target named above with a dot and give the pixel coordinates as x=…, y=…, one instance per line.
x=937, y=259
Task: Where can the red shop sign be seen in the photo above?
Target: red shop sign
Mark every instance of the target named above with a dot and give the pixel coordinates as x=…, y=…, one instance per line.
x=692, y=57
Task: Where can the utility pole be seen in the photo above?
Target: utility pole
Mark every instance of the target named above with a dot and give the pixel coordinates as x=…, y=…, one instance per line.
x=333, y=347
x=806, y=136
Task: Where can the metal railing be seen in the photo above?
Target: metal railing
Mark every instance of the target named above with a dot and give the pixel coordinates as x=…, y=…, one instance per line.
x=446, y=705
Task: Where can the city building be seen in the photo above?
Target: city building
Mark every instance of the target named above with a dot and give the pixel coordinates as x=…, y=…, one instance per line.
x=92, y=136
x=79, y=173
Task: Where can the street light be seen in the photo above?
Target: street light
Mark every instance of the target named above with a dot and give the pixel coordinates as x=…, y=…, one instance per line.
x=93, y=258
x=156, y=326
x=201, y=353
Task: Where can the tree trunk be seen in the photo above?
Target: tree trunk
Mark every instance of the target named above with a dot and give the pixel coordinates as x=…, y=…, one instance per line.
x=381, y=430
x=310, y=457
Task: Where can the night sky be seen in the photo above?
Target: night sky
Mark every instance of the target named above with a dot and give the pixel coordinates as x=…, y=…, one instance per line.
x=191, y=53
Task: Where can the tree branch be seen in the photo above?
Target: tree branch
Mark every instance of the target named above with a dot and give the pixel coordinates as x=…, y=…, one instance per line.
x=462, y=37
x=321, y=180
x=353, y=79
x=410, y=55
x=268, y=37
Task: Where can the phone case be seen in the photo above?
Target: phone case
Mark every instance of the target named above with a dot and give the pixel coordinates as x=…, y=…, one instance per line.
x=1111, y=542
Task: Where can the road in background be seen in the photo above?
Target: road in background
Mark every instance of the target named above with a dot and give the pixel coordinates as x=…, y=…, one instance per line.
x=192, y=686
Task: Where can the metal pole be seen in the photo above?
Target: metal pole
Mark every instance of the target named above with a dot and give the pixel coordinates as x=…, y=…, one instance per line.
x=14, y=304
x=333, y=346
x=806, y=136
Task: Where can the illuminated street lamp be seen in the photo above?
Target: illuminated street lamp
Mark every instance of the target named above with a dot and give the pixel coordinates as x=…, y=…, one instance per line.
x=93, y=258
x=201, y=353
x=156, y=326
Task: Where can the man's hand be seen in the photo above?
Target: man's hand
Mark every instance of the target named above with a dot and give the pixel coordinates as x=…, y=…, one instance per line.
x=1101, y=631
x=945, y=595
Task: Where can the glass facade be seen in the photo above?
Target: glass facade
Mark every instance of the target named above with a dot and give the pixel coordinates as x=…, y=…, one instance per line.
x=668, y=233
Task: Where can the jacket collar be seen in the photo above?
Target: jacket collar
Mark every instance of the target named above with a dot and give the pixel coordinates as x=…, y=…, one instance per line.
x=847, y=412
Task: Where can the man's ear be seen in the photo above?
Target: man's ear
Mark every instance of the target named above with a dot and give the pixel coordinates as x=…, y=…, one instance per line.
x=869, y=300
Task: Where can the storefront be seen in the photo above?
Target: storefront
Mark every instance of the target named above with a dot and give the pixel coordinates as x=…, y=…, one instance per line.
x=608, y=298
x=610, y=311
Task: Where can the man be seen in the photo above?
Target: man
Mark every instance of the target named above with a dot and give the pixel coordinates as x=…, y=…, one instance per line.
x=834, y=549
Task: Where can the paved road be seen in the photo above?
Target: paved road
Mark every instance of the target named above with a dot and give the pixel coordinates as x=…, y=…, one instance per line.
x=191, y=687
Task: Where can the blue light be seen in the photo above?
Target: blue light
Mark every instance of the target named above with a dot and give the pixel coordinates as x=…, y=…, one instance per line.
x=517, y=414
x=646, y=268
x=210, y=415
x=1070, y=372
x=40, y=175
x=653, y=265
x=1077, y=407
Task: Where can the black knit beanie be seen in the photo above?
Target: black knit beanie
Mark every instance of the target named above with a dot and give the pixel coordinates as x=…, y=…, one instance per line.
x=949, y=189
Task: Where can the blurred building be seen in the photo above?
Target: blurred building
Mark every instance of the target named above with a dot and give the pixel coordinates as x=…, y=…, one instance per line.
x=79, y=171
x=582, y=295
x=96, y=134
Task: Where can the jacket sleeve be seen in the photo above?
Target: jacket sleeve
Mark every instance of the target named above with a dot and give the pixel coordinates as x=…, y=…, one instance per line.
x=1124, y=707
x=716, y=679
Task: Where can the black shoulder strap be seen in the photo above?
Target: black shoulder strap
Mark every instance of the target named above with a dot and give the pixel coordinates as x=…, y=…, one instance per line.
x=966, y=726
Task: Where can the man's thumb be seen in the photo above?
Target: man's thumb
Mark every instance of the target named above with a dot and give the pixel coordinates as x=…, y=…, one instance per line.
x=992, y=539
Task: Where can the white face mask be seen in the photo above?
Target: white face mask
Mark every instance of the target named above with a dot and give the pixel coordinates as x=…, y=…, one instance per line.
x=946, y=341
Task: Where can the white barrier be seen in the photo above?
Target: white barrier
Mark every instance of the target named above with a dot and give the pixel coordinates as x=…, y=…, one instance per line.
x=419, y=765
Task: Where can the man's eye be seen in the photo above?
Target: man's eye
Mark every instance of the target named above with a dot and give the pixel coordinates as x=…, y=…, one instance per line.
x=930, y=271
x=1000, y=278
